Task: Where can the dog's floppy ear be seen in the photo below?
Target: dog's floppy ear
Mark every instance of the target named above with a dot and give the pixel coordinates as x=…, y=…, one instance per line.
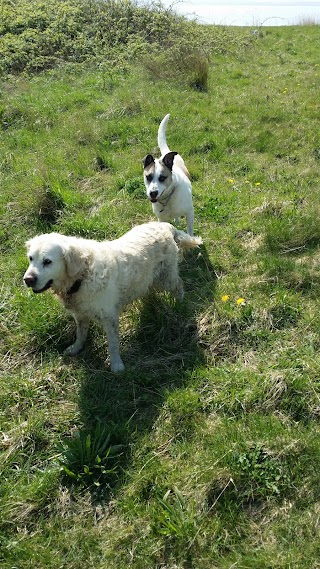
x=74, y=260
x=168, y=159
x=148, y=160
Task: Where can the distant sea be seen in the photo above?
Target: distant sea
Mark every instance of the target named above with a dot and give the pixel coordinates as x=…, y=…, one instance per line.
x=254, y=14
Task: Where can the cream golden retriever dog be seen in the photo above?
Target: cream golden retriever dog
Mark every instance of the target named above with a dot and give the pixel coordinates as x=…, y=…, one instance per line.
x=95, y=280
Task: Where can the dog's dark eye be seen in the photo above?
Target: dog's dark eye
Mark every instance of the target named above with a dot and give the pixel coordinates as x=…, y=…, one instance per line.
x=30, y=258
x=149, y=177
x=162, y=178
x=46, y=262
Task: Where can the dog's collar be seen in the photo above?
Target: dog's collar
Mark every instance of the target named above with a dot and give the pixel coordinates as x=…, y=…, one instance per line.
x=165, y=201
x=75, y=287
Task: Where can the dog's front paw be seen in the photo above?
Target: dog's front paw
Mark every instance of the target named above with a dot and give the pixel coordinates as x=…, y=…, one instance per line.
x=117, y=366
x=72, y=350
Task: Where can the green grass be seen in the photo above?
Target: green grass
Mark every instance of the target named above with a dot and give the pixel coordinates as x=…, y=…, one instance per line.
x=205, y=452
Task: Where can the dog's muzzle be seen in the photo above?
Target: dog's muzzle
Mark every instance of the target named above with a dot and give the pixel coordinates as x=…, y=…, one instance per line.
x=31, y=282
x=153, y=196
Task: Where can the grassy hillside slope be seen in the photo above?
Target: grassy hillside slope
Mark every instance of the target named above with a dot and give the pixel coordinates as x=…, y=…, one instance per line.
x=205, y=452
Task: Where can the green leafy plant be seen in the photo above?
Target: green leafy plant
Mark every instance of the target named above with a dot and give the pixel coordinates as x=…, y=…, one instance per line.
x=89, y=458
x=176, y=518
x=260, y=474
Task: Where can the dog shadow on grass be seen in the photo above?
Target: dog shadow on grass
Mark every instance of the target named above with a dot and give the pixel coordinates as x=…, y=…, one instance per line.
x=160, y=349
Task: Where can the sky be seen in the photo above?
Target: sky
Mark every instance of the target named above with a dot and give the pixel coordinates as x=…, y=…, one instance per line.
x=249, y=12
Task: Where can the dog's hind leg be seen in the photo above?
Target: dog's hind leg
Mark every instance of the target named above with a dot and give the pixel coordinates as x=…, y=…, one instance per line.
x=172, y=282
x=190, y=221
x=178, y=291
x=111, y=327
x=81, y=336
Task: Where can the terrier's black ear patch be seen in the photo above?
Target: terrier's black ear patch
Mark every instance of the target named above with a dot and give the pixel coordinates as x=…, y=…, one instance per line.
x=168, y=159
x=148, y=160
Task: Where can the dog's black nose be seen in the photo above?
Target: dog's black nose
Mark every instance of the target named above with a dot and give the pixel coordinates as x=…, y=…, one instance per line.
x=153, y=195
x=30, y=281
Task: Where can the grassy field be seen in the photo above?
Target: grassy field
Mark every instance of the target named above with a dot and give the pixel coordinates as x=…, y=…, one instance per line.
x=205, y=452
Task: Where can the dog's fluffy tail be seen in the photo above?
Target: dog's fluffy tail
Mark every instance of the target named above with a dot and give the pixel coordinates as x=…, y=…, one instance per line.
x=184, y=240
x=162, y=141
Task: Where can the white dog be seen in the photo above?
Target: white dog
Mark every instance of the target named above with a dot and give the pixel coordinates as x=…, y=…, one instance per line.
x=95, y=280
x=167, y=182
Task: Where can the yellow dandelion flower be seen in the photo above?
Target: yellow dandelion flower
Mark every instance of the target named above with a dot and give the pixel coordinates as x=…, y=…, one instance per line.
x=247, y=181
x=225, y=298
x=230, y=180
x=258, y=184
x=241, y=301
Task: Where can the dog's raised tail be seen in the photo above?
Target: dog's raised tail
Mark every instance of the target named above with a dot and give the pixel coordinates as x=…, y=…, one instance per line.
x=162, y=140
x=184, y=240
